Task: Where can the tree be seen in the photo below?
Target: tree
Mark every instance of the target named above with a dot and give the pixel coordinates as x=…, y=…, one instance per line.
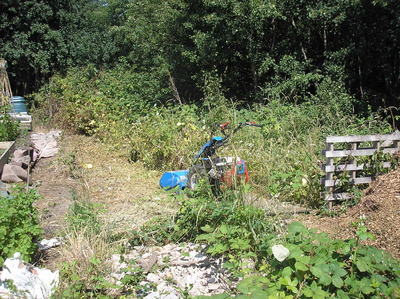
x=42, y=37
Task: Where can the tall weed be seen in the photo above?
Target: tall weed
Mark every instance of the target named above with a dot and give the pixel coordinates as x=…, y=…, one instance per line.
x=120, y=107
x=86, y=252
x=167, y=138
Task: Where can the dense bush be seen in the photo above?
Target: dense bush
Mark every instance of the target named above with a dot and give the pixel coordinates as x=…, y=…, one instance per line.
x=19, y=224
x=90, y=101
x=9, y=128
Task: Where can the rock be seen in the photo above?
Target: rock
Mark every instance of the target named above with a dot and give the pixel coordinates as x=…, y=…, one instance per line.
x=23, y=161
x=179, y=268
x=148, y=262
x=13, y=174
x=153, y=277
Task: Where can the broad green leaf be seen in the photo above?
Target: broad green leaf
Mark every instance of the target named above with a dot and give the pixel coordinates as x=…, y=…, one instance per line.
x=362, y=265
x=252, y=284
x=217, y=248
x=210, y=238
x=300, y=266
x=325, y=279
x=207, y=228
x=287, y=271
x=337, y=281
x=296, y=227
x=346, y=249
x=366, y=236
x=314, y=291
x=340, y=272
x=223, y=229
x=342, y=295
x=317, y=271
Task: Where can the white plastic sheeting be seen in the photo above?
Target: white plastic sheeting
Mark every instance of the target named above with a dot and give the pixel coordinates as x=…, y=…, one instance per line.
x=31, y=282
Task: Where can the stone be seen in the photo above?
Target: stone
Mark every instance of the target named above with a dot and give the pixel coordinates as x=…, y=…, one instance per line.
x=13, y=174
x=184, y=267
x=148, y=262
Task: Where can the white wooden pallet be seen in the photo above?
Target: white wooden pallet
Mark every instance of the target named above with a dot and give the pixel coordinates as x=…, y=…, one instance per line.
x=24, y=119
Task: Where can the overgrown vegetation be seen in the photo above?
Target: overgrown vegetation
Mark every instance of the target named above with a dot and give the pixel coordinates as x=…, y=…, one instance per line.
x=86, y=253
x=283, y=156
x=9, y=127
x=290, y=262
x=19, y=224
x=154, y=77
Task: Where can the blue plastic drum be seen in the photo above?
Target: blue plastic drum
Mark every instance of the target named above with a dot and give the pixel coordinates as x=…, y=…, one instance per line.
x=19, y=104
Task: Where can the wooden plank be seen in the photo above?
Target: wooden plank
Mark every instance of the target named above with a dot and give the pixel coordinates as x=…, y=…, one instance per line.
x=337, y=196
x=362, y=138
x=356, y=181
x=385, y=143
x=351, y=167
x=9, y=147
x=329, y=175
x=357, y=153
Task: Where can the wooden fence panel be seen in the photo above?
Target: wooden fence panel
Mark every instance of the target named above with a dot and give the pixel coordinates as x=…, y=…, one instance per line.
x=341, y=156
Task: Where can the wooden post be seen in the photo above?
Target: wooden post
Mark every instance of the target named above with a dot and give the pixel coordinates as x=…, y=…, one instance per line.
x=5, y=92
x=353, y=162
x=329, y=175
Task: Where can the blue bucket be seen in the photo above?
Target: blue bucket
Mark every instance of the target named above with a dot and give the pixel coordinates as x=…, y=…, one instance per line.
x=19, y=104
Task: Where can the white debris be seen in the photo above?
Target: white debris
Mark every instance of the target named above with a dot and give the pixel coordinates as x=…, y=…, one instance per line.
x=46, y=143
x=47, y=244
x=30, y=281
x=280, y=252
x=176, y=269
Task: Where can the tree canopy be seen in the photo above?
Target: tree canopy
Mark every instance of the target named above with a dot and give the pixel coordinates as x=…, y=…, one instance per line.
x=260, y=49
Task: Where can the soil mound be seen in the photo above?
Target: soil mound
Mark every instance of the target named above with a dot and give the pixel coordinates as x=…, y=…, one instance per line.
x=381, y=207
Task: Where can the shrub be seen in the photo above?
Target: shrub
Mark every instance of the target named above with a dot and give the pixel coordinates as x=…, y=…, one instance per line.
x=19, y=224
x=9, y=128
x=316, y=266
x=167, y=138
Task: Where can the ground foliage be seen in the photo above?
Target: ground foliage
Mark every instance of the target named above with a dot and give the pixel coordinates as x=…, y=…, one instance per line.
x=315, y=265
x=241, y=233
x=19, y=224
x=9, y=127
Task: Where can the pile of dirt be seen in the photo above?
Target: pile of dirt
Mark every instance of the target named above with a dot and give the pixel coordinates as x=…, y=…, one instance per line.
x=381, y=207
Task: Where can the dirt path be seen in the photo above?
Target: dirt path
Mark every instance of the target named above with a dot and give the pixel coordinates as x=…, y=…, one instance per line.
x=128, y=194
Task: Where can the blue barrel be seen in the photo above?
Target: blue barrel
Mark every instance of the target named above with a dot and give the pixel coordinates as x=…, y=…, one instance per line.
x=173, y=179
x=19, y=104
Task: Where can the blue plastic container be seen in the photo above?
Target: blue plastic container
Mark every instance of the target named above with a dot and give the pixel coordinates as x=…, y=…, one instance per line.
x=19, y=104
x=173, y=179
